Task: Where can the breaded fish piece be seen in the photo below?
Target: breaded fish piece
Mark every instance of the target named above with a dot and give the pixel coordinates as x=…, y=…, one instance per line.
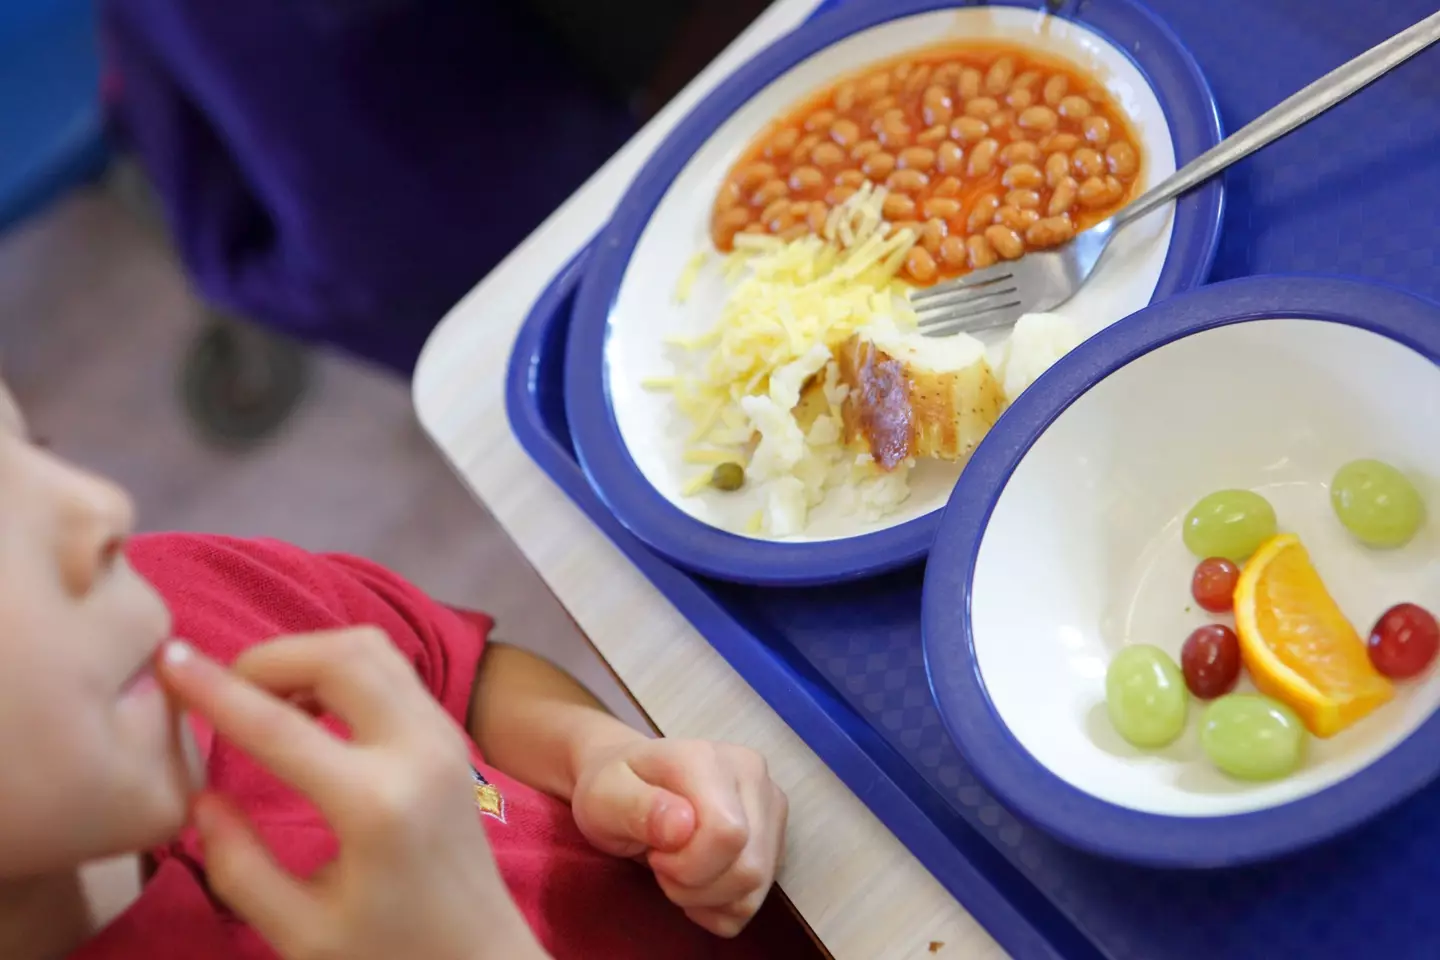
x=915, y=397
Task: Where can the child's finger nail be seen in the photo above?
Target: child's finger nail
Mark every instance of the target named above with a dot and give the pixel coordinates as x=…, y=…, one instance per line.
x=177, y=654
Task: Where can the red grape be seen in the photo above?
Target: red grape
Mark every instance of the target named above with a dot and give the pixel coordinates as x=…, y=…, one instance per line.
x=1210, y=661
x=1404, y=641
x=1213, y=584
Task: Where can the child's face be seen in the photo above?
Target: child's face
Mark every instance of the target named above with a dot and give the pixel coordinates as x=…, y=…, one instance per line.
x=89, y=757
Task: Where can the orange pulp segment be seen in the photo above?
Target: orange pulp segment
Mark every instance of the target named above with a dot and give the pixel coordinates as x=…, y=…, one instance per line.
x=1297, y=644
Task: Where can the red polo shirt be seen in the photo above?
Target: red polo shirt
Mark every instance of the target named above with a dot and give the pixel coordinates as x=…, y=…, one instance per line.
x=227, y=595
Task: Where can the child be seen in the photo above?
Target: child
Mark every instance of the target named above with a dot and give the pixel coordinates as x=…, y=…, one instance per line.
x=343, y=814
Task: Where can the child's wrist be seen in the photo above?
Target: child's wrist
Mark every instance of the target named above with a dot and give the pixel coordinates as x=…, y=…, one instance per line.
x=596, y=740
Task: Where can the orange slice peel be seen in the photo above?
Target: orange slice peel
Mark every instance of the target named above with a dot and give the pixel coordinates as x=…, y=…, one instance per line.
x=1297, y=643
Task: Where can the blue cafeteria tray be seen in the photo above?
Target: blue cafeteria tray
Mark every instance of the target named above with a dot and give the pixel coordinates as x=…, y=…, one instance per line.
x=1352, y=193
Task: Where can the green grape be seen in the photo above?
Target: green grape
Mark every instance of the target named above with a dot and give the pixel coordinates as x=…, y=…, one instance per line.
x=1252, y=737
x=1145, y=696
x=1230, y=524
x=1376, y=503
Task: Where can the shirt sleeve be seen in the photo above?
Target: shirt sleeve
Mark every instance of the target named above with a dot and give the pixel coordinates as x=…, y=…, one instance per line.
x=227, y=595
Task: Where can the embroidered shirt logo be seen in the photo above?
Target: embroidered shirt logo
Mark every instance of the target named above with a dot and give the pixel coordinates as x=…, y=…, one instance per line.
x=487, y=796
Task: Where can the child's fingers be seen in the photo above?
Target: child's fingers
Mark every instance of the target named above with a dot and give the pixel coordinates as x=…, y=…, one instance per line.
x=356, y=674
x=722, y=829
x=242, y=873
x=624, y=815
x=280, y=737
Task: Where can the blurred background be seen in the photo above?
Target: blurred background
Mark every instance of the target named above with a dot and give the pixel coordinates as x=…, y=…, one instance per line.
x=227, y=229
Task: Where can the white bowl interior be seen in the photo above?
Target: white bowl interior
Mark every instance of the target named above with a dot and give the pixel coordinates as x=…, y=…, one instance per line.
x=645, y=311
x=1083, y=555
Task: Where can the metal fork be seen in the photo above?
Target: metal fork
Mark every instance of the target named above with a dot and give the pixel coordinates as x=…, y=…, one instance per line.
x=997, y=296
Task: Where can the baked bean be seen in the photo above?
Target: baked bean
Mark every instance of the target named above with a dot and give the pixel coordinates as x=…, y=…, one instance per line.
x=903, y=70
x=917, y=158
x=1057, y=168
x=1021, y=151
x=1055, y=89
x=1060, y=143
x=1001, y=72
x=982, y=158
x=850, y=178
x=1097, y=131
x=781, y=223
x=920, y=265
x=782, y=143
x=1006, y=242
x=912, y=225
x=756, y=227
x=1038, y=119
x=774, y=210
x=874, y=87
x=942, y=207
x=799, y=209
x=907, y=181
x=845, y=132
x=826, y=155
x=807, y=143
x=794, y=232
x=949, y=157
x=1075, y=108
x=1001, y=122
x=817, y=216
x=932, y=234
x=1122, y=159
x=1049, y=232
x=981, y=107
x=845, y=96
x=728, y=196
x=864, y=149
x=1020, y=99
x=969, y=129
x=878, y=165
x=883, y=106
x=969, y=85
x=805, y=178
x=952, y=252
x=754, y=175
x=981, y=254
x=897, y=206
x=1088, y=162
x=1098, y=192
x=1022, y=176
x=982, y=212
x=734, y=219
x=819, y=120
x=839, y=195
x=947, y=74
x=917, y=79
x=1015, y=218
x=949, y=187
x=933, y=136
x=772, y=189
x=938, y=107
x=1022, y=198
x=895, y=133
x=1063, y=197
x=1028, y=80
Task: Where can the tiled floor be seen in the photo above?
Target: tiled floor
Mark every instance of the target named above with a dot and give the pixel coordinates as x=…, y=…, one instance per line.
x=94, y=318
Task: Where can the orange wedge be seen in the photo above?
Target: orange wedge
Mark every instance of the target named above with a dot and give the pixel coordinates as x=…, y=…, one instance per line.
x=1297, y=644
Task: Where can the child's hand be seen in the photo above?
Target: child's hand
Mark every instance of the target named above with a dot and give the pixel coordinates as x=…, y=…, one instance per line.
x=707, y=816
x=414, y=876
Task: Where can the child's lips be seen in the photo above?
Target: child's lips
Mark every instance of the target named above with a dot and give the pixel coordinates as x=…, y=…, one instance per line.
x=143, y=679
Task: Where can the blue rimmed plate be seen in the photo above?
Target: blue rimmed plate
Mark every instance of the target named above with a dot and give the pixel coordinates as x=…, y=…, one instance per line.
x=630, y=440
x=1062, y=544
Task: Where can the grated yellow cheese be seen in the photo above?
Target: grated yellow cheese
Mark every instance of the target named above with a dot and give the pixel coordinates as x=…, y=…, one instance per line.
x=785, y=299
x=688, y=276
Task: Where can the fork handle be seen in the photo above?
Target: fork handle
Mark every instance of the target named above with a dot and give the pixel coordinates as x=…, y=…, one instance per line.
x=1286, y=116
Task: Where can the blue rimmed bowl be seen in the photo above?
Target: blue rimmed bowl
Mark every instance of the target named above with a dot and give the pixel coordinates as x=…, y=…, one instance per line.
x=1061, y=545
x=630, y=440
